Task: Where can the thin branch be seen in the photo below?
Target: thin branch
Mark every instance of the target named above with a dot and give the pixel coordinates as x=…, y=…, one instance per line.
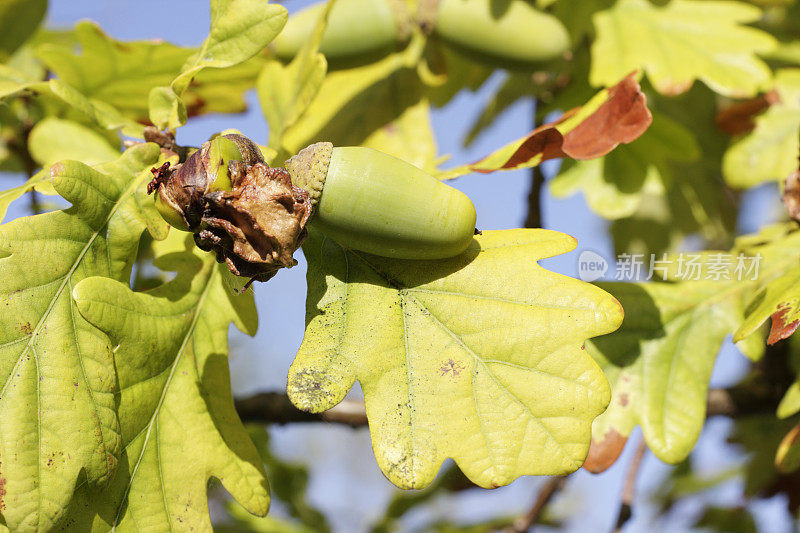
x=534, y=217
x=629, y=489
x=276, y=408
x=550, y=489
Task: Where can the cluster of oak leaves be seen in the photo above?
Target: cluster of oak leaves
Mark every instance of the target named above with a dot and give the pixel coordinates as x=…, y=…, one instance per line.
x=72, y=328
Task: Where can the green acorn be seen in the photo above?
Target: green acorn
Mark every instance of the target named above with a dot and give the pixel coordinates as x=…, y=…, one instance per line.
x=370, y=201
x=511, y=33
x=356, y=29
x=254, y=217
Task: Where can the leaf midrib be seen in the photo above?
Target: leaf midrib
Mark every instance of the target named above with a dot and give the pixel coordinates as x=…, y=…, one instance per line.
x=153, y=418
x=35, y=333
x=395, y=285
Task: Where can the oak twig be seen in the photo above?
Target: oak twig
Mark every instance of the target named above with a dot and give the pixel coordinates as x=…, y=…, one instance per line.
x=534, y=217
x=550, y=489
x=276, y=408
x=629, y=489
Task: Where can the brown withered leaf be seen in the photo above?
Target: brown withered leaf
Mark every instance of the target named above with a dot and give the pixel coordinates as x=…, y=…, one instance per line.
x=604, y=452
x=256, y=227
x=791, y=195
x=739, y=117
x=780, y=328
x=616, y=115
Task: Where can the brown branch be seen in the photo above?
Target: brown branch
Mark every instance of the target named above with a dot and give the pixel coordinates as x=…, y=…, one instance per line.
x=550, y=489
x=276, y=408
x=629, y=489
x=534, y=217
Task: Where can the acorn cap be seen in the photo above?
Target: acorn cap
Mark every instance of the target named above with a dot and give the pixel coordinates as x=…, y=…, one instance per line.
x=309, y=168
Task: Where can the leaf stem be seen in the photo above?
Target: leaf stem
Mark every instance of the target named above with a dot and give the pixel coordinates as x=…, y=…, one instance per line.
x=547, y=492
x=629, y=489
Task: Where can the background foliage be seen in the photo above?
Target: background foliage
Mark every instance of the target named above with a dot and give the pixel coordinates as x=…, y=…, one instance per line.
x=724, y=120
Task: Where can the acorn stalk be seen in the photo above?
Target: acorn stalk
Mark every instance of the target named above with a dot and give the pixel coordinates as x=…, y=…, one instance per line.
x=371, y=201
x=355, y=28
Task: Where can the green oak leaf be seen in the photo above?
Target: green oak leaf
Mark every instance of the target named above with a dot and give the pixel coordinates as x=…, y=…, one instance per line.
x=409, y=137
x=95, y=111
x=53, y=139
x=239, y=30
x=177, y=420
x=353, y=103
x=659, y=364
x=120, y=74
x=478, y=357
x=769, y=152
x=577, y=17
x=57, y=379
x=18, y=20
x=9, y=195
x=288, y=484
x=680, y=42
x=790, y=403
x=285, y=92
x=786, y=52
x=760, y=437
x=782, y=294
x=694, y=202
x=660, y=360
x=614, y=184
x=13, y=81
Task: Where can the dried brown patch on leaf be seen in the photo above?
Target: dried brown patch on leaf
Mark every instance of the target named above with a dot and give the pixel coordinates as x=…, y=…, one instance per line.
x=781, y=329
x=791, y=195
x=739, y=118
x=605, y=452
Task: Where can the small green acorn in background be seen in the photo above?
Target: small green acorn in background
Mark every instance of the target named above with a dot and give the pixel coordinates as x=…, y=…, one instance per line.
x=356, y=29
x=501, y=33
x=254, y=217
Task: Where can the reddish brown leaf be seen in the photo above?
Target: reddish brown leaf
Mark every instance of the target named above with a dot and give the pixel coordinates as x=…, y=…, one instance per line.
x=739, y=118
x=621, y=118
x=545, y=140
x=791, y=195
x=604, y=453
x=780, y=329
